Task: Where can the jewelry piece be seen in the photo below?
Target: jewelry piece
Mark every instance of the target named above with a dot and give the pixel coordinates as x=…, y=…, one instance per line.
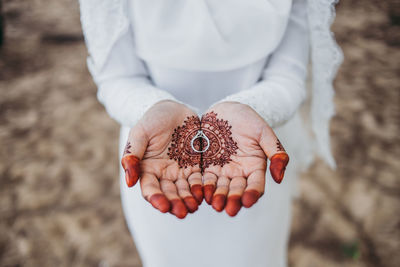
x=200, y=134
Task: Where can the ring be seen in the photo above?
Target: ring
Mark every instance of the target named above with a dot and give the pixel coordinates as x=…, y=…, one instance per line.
x=200, y=134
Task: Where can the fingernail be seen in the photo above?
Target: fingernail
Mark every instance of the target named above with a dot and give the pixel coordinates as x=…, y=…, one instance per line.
x=178, y=208
x=197, y=192
x=278, y=166
x=218, y=202
x=250, y=197
x=191, y=204
x=209, y=192
x=160, y=202
x=233, y=205
x=131, y=165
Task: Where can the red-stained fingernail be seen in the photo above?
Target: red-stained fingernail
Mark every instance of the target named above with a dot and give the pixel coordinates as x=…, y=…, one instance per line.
x=197, y=192
x=218, y=202
x=209, y=192
x=278, y=166
x=131, y=165
x=160, y=202
x=191, y=204
x=233, y=205
x=178, y=208
x=250, y=197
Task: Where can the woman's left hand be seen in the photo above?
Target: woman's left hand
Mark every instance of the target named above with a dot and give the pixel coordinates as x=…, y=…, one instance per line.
x=235, y=161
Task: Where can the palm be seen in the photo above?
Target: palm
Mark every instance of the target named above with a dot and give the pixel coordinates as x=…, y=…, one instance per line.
x=178, y=157
x=162, y=177
x=249, y=157
x=159, y=127
x=246, y=167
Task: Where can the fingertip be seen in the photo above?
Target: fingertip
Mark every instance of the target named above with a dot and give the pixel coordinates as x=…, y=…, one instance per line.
x=218, y=202
x=209, y=192
x=233, y=205
x=160, y=202
x=129, y=160
x=191, y=204
x=178, y=208
x=131, y=165
x=131, y=179
x=197, y=192
x=250, y=197
x=278, y=165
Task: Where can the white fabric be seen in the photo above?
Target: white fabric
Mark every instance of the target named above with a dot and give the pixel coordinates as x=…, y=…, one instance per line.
x=124, y=85
x=131, y=80
x=207, y=35
x=326, y=58
x=256, y=237
x=282, y=89
x=202, y=89
x=104, y=21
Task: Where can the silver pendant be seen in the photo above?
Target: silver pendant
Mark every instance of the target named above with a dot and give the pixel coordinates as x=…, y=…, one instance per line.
x=200, y=134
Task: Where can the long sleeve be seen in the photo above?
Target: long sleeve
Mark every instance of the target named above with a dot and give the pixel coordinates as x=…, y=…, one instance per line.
x=278, y=95
x=124, y=86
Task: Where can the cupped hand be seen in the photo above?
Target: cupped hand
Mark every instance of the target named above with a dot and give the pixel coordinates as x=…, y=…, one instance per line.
x=156, y=151
x=234, y=165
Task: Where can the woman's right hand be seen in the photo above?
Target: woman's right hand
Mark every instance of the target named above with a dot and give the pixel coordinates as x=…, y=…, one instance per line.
x=157, y=151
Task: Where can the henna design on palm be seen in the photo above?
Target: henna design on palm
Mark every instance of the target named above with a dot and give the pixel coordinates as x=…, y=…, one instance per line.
x=202, y=159
x=181, y=149
x=220, y=147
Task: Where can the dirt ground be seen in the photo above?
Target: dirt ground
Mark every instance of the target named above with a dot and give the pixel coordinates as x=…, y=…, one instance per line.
x=59, y=195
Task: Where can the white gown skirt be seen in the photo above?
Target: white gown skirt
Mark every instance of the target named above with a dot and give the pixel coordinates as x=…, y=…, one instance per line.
x=255, y=237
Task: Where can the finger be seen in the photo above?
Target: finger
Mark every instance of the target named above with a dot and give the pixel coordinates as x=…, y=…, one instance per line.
x=236, y=188
x=131, y=165
x=152, y=193
x=274, y=150
x=196, y=186
x=210, y=180
x=219, y=198
x=255, y=188
x=183, y=190
x=178, y=208
x=134, y=150
x=278, y=165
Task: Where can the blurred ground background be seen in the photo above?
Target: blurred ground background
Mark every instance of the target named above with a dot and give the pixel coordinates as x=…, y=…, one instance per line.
x=59, y=196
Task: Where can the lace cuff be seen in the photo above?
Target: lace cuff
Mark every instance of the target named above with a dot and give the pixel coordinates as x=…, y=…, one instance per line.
x=276, y=99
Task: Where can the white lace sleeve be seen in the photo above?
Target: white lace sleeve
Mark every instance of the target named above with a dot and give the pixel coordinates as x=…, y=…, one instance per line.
x=124, y=87
x=282, y=88
x=326, y=57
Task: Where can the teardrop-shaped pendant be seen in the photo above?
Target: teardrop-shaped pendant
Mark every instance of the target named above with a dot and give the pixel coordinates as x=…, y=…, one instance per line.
x=200, y=134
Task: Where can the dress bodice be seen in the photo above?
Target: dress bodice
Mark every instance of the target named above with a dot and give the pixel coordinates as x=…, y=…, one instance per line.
x=205, y=88
x=207, y=35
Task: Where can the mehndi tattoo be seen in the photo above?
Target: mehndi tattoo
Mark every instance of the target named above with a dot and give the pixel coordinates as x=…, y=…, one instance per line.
x=222, y=146
x=180, y=149
x=127, y=147
x=218, y=146
x=279, y=146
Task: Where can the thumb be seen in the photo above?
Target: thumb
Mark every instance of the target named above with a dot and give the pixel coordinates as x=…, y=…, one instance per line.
x=274, y=150
x=134, y=150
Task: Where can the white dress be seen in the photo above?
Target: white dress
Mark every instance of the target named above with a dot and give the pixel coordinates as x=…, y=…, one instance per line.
x=200, y=53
